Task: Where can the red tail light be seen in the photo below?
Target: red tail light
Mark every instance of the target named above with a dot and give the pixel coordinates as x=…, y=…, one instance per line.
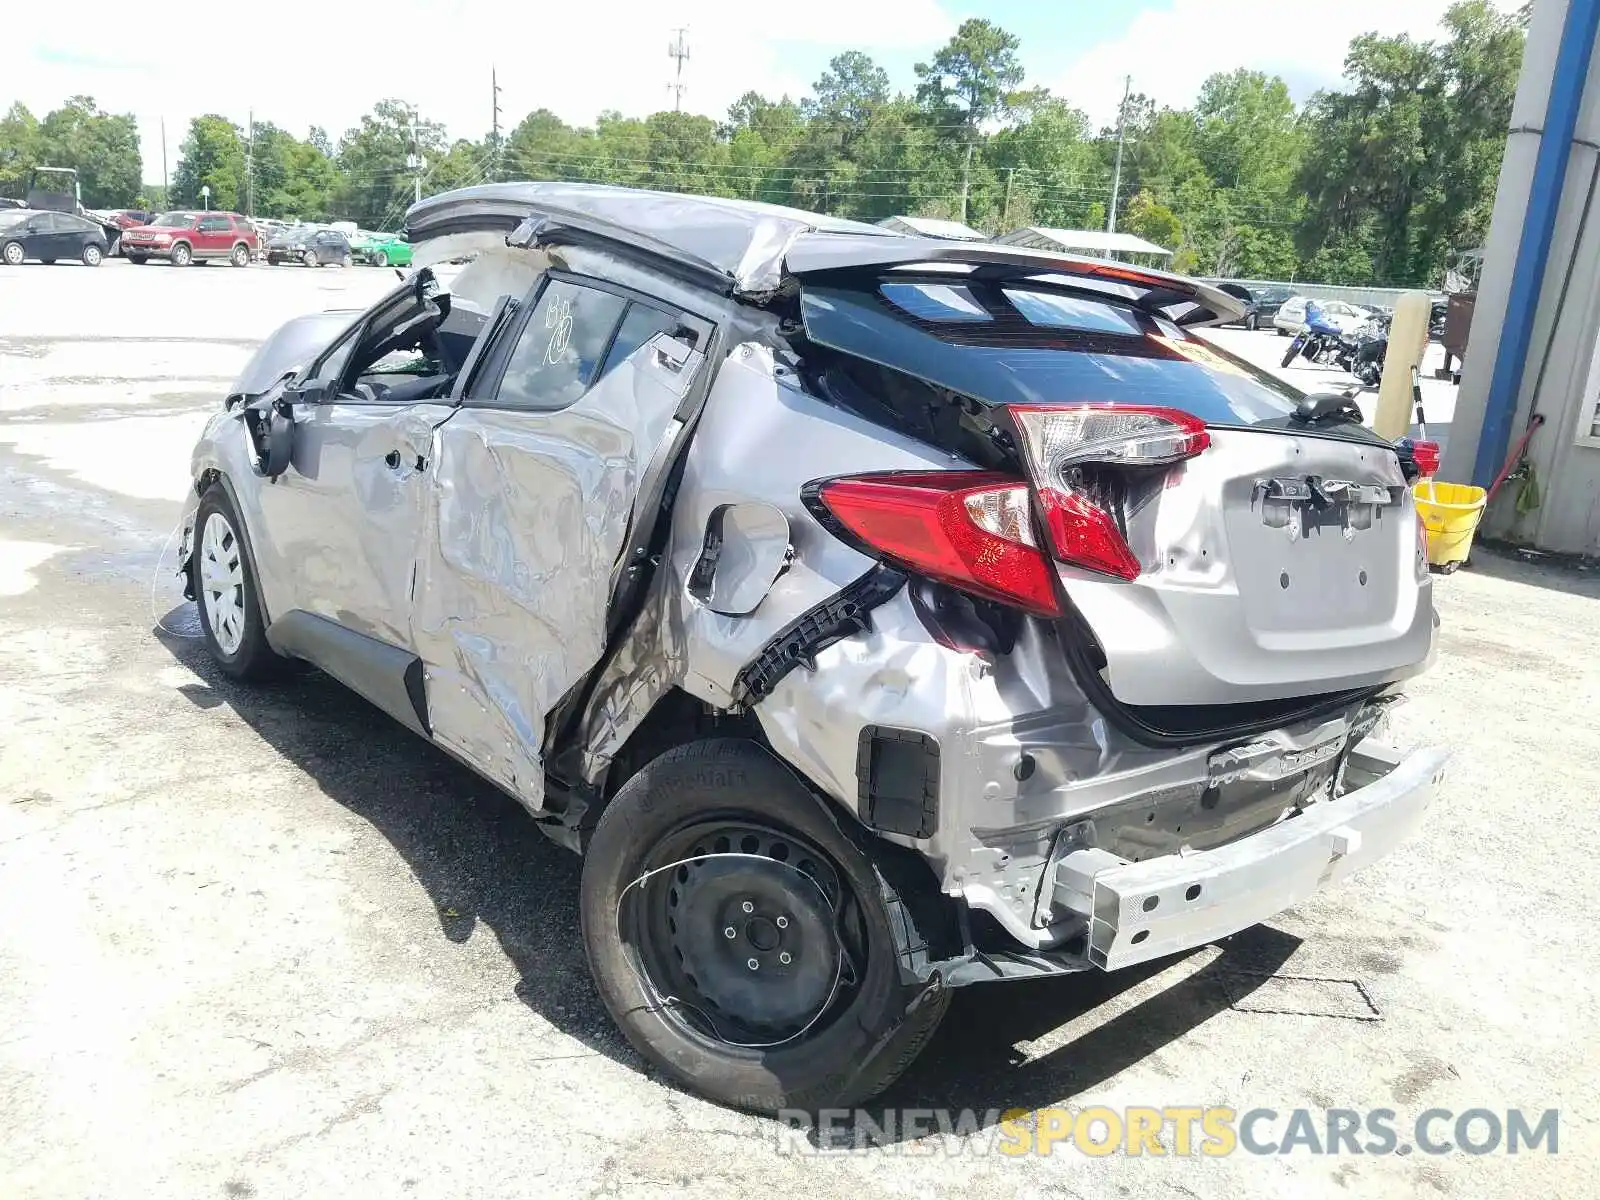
x=970, y=529
x=1060, y=442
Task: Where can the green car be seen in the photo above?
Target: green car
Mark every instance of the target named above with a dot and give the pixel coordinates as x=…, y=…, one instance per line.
x=385, y=250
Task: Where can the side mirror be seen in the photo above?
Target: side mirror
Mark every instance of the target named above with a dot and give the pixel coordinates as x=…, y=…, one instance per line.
x=312, y=391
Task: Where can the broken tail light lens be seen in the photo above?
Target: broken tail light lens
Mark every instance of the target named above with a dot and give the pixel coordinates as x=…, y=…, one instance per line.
x=970, y=529
x=1065, y=445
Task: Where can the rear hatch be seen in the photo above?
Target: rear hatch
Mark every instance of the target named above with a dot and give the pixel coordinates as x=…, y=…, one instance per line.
x=1217, y=549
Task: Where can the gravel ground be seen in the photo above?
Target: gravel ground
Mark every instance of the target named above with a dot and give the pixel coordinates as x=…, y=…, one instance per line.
x=265, y=943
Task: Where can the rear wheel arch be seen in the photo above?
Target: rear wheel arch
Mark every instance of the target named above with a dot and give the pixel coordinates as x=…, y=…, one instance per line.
x=887, y=1018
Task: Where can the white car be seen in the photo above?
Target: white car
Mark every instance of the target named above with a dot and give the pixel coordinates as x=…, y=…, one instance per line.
x=1291, y=315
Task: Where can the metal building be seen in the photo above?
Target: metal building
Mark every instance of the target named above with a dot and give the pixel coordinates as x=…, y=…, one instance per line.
x=1533, y=363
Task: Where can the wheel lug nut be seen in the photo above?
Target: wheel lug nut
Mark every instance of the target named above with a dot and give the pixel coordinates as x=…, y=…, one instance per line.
x=782, y=922
x=730, y=932
x=784, y=958
x=753, y=964
x=748, y=907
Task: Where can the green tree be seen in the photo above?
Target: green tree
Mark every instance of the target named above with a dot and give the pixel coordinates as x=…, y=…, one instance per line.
x=971, y=76
x=212, y=155
x=380, y=160
x=19, y=148
x=102, y=147
x=969, y=82
x=1403, y=164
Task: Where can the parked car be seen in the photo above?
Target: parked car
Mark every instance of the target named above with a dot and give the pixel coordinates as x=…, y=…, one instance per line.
x=49, y=237
x=313, y=246
x=188, y=237
x=386, y=250
x=1250, y=314
x=863, y=654
x=1291, y=315
x=1268, y=301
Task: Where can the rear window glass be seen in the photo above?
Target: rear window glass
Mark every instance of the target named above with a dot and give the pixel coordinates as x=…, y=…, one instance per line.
x=1036, y=346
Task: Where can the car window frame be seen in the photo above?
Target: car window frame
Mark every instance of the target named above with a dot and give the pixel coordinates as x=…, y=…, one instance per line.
x=482, y=391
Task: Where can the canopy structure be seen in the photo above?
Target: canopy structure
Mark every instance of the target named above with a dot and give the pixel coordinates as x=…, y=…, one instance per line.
x=933, y=227
x=1082, y=241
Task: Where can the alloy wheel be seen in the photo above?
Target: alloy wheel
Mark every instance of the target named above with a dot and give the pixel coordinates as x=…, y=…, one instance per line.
x=222, y=583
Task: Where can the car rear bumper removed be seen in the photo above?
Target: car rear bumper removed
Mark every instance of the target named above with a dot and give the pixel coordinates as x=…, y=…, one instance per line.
x=1144, y=910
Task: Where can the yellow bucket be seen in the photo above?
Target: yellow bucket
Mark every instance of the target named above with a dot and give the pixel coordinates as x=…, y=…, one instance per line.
x=1449, y=513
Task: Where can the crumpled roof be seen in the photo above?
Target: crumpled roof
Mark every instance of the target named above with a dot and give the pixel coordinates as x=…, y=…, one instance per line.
x=744, y=240
x=747, y=249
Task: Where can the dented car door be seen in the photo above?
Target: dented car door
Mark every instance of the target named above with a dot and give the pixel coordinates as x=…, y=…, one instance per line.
x=342, y=523
x=531, y=497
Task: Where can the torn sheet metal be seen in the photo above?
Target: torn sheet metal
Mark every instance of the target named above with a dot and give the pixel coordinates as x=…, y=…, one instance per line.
x=741, y=241
x=530, y=511
x=756, y=404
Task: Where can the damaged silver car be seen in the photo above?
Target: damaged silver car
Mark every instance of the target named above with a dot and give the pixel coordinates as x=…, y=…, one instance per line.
x=876, y=615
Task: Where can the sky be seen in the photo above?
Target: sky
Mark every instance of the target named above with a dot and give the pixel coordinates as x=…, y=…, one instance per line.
x=578, y=59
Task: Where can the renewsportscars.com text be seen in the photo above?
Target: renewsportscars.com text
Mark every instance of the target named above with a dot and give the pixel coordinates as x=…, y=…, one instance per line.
x=1203, y=1131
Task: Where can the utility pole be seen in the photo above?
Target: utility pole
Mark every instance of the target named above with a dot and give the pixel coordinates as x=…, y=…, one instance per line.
x=1005, y=212
x=494, y=85
x=414, y=160
x=678, y=50
x=1116, y=176
x=250, y=166
x=166, y=193
x=966, y=176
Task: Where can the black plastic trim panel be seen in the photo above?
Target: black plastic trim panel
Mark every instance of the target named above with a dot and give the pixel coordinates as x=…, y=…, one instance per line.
x=845, y=614
x=897, y=780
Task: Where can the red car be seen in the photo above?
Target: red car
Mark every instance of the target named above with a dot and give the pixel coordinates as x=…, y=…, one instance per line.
x=185, y=237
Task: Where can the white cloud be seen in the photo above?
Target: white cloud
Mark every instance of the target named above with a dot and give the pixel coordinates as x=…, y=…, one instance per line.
x=576, y=59
x=1169, y=51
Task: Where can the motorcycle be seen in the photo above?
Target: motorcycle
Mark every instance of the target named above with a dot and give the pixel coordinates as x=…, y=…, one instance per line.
x=1316, y=347
x=1362, y=353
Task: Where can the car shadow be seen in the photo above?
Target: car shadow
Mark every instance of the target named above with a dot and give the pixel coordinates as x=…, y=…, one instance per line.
x=483, y=862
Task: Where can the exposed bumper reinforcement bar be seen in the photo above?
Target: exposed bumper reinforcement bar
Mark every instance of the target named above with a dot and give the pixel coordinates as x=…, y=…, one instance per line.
x=1140, y=911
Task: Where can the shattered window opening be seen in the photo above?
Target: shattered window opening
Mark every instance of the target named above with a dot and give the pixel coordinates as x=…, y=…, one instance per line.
x=560, y=348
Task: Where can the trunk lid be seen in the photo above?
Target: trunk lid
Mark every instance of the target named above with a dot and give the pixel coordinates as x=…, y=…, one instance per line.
x=1273, y=566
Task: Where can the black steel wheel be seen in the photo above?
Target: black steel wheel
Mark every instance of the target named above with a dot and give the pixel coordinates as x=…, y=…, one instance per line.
x=742, y=939
x=741, y=925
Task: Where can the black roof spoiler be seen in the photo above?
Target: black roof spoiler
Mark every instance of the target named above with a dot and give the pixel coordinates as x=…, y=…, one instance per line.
x=823, y=254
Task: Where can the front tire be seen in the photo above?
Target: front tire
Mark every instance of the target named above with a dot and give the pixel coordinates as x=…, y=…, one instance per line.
x=1290, y=354
x=92, y=255
x=309, y=258
x=181, y=255
x=716, y=856
x=380, y=259
x=13, y=254
x=225, y=591
x=240, y=256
